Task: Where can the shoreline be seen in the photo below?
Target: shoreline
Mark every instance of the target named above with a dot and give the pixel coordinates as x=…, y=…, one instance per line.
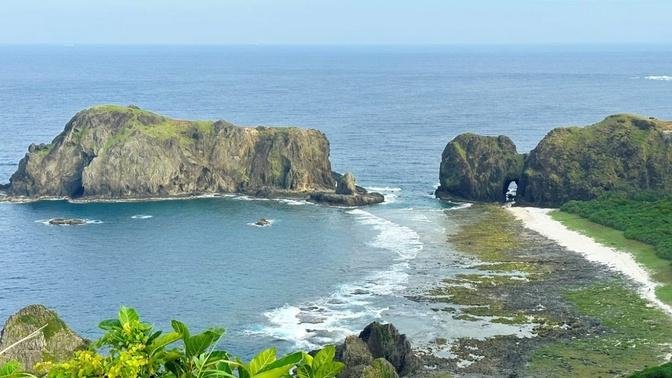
x=539, y=220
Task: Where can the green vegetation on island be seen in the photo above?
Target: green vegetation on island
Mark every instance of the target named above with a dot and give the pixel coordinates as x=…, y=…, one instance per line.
x=646, y=217
x=622, y=153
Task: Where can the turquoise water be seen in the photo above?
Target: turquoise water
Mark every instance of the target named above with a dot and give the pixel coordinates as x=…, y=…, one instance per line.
x=317, y=273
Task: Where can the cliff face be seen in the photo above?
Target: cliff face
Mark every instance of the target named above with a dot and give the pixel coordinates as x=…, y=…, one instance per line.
x=478, y=167
x=126, y=152
x=623, y=153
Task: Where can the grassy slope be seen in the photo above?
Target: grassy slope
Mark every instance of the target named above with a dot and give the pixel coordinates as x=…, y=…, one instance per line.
x=643, y=253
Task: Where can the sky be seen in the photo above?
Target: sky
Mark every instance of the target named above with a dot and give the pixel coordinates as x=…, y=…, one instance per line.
x=335, y=21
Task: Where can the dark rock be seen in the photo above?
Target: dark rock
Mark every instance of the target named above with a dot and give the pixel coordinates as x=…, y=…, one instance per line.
x=347, y=200
x=478, y=168
x=263, y=222
x=384, y=341
x=346, y=185
x=355, y=354
x=55, y=342
x=66, y=221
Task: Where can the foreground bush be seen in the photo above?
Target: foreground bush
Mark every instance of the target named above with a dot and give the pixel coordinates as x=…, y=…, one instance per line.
x=662, y=371
x=131, y=348
x=643, y=217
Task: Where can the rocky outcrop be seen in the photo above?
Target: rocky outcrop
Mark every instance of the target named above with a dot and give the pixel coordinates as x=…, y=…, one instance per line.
x=622, y=153
x=54, y=342
x=478, y=168
x=347, y=193
x=110, y=152
x=379, y=351
x=346, y=185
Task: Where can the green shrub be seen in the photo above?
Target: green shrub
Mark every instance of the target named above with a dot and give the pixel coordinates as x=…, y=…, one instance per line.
x=662, y=371
x=646, y=217
x=131, y=348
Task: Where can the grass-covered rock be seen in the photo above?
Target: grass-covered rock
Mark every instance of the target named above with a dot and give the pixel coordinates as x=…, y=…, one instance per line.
x=53, y=342
x=623, y=154
x=476, y=167
x=126, y=152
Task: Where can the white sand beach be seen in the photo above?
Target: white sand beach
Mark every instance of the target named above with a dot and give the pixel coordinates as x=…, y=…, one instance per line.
x=539, y=220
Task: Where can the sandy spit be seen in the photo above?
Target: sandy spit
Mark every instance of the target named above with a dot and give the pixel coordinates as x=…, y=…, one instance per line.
x=539, y=220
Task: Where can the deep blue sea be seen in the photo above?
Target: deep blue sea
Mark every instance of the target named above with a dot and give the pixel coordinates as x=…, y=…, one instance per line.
x=317, y=273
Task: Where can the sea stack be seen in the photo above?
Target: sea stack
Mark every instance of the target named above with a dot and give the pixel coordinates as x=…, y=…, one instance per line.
x=117, y=152
x=622, y=153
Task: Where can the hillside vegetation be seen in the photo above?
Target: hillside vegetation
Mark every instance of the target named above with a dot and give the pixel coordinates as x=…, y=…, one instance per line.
x=644, y=217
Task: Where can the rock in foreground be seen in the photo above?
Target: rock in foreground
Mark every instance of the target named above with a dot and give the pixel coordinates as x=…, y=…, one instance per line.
x=112, y=152
x=54, y=342
x=623, y=153
x=379, y=351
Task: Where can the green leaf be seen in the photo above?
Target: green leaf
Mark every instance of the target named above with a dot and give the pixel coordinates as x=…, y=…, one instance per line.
x=180, y=328
x=328, y=370
x=198, y=344
x=324, y=356
x=279, y=372
x=13, y=369
x=304, y=371
x=127, y=315
x=109, y=324
x=288, y=360
x=261, y=360
x=162, y=341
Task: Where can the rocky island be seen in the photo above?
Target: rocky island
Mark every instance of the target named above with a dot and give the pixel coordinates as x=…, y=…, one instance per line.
x=115, y=152
x=622, y=153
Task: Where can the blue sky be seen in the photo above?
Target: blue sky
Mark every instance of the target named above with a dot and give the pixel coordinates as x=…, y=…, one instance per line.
x=335, y=21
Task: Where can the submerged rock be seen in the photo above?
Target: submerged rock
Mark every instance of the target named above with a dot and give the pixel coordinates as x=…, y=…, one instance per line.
x=66, y=221
x=125, y=152
x=622, y=153
x=263, y=222
x=55, y=342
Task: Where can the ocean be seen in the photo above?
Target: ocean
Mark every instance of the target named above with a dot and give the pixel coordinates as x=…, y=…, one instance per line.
x=317, y=273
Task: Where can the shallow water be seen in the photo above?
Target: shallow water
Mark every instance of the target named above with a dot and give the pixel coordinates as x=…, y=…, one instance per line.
x=316, y=273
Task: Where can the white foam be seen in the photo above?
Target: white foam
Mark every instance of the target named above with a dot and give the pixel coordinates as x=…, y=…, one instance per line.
x=292, y=202
x=330, y=319
x=86, y=221
x=383, y=189
x=659, y=77
x=399, y=239
x=141, y=216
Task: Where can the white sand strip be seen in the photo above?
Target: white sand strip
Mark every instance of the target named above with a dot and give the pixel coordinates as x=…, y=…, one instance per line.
x=539, y=220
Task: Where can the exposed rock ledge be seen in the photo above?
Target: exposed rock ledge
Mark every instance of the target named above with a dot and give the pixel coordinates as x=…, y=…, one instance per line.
x=112, y=152
x=623, y=153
